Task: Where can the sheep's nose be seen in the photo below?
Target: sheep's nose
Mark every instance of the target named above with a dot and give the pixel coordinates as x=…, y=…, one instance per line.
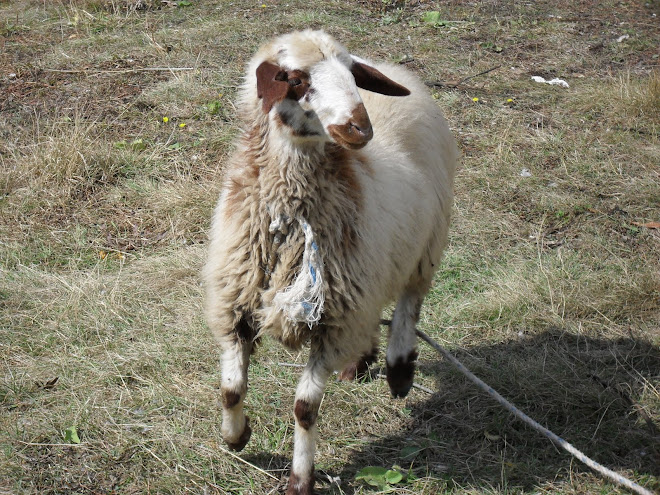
x=362, y=129
x=356, y=132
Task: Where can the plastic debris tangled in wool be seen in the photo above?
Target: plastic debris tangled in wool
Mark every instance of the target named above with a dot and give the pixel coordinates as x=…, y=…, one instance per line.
x=303, y=300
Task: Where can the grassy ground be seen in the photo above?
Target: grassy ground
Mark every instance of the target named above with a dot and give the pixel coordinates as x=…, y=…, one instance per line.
x=550, y=290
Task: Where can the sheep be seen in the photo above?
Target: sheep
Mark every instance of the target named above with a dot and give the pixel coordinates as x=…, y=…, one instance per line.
x=335, y=202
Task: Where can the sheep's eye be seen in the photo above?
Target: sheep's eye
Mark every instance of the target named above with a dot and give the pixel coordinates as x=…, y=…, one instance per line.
x=295, y=81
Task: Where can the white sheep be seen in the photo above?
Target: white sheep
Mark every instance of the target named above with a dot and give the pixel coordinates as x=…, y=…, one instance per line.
x=319, y=226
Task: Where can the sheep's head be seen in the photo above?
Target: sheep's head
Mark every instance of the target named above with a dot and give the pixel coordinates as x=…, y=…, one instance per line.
x=309, y=87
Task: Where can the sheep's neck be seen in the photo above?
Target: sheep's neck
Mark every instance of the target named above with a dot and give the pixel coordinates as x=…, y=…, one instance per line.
x=296, y=178
x=316, y=182
x=291, y=183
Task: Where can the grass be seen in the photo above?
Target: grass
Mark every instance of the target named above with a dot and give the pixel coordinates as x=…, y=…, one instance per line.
x=550, y=288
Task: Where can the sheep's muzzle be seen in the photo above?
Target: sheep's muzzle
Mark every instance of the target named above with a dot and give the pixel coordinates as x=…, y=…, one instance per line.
x=355, y=133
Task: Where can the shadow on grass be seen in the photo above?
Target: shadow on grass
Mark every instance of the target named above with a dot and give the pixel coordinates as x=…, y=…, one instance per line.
x=583, y=389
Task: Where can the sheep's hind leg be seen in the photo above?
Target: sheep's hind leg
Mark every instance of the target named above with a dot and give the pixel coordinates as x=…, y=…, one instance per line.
x=236, y=430
x=402, y=348
x=359, y=370
x=308, y=399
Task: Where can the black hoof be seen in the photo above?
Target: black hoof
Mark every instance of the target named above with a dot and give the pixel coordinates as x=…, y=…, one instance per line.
x=400, y=375
x=298, y=487
x=242, y=441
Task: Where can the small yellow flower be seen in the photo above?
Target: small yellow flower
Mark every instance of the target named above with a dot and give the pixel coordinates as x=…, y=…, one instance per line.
x=475, y=99
x=509, y=100
x=263, y=5
x=166, y=119
x=220, y=95
x=102, y=254
x=182, y=125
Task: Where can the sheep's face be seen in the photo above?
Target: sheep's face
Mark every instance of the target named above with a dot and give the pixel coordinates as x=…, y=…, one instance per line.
x=321, y=102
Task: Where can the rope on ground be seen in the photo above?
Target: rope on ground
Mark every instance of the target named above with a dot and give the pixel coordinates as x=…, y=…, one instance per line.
x=608, y=473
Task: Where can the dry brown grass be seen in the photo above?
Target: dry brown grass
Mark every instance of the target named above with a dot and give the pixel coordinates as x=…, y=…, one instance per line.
x=550, y=289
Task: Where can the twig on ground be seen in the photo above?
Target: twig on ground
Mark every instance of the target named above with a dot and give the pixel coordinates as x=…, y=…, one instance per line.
x=248, y=463
x=453, y=85
x=120, y=71
x=36, y=444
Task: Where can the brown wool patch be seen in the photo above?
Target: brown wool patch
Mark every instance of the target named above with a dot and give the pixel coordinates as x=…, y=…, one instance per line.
x=305, y=413
x=274, y=84
x=344, y=172
x=242, y=178
x=234, y=199
x=230, y=398
x=298, y=82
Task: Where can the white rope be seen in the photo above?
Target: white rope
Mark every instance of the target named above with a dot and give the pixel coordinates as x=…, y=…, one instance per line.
x=608, y=473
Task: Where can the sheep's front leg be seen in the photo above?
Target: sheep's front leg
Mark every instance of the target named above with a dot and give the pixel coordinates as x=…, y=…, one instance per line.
x=308, y=399
x=236, y=430
x=402, y=346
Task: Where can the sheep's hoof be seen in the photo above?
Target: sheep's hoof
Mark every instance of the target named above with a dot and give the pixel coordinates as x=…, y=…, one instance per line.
x=359, y=370
x=400, y=375
x=242, y=441
x=299, y=487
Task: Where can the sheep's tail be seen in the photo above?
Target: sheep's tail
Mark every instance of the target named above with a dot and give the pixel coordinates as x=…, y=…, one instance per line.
x=302, y=301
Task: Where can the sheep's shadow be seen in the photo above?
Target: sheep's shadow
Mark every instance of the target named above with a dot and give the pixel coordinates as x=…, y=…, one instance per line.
x=583, y=389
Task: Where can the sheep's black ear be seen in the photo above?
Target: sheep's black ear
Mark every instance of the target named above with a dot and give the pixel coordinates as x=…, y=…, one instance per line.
x=272, y=84
x=366, y=77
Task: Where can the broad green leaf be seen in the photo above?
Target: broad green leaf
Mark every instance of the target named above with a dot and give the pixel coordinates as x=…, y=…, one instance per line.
x=393, y=477
x=370, y=471
x=71, y=435
x=433, y=18
x=372, y=475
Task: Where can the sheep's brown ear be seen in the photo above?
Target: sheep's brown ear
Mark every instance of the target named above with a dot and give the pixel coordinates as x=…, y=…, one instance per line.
x=272, y=84
x=366, y=77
